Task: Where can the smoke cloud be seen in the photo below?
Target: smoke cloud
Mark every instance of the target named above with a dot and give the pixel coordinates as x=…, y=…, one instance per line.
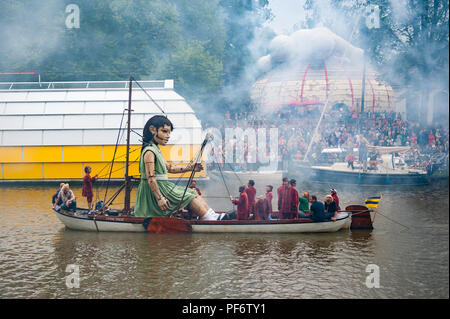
x=309, y=45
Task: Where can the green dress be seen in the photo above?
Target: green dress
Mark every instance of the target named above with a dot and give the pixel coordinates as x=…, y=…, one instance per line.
x=146, y=204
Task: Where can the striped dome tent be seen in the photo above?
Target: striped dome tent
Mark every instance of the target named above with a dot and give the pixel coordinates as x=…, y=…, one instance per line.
x=309, y=84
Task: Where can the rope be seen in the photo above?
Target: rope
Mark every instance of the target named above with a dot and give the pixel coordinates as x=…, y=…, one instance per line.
x=148, y=95
x=114, y=155
x=199, y=154
x=232, y=169
x=220, y=170
x=393, y=220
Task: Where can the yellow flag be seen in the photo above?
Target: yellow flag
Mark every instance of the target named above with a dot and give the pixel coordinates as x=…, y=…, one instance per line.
x=373, y=201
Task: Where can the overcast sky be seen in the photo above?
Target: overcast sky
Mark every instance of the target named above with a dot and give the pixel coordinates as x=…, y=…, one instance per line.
x=286, y=14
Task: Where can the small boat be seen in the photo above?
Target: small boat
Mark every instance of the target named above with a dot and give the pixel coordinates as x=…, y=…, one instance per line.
x=81, y=219
x=105, y=219
x=386, y=173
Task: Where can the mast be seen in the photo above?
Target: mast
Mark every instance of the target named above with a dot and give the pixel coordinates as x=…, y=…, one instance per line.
x=315, y=132
x=126, y=209
x=363, y=83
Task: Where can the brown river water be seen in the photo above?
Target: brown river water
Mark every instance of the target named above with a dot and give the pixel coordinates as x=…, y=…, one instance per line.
x=410, y=246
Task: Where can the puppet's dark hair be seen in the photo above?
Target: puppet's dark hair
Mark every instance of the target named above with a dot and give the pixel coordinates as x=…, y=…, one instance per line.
x=157, y=121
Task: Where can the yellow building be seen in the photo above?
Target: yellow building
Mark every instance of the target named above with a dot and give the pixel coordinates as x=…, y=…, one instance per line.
x=52, y=130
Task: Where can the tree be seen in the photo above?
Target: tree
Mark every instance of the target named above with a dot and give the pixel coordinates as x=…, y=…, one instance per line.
x=411, y=46
x=203, y=45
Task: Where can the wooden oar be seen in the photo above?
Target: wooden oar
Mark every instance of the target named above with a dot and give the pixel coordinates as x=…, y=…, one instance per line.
x=166, y=225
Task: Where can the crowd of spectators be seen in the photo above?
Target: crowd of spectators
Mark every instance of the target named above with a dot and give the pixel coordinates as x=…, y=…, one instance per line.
x=337, y=129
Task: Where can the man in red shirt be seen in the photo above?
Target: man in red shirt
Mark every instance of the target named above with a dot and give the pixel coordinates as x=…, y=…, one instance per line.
x=87, y=186
x=294, y=198
x=335, y=198
x=431, y=139
x=261, y=209
x=269, y=196
x=242, y=204
x=350, y=160
x=285, y=180
x=251, y=194
x=284, y=199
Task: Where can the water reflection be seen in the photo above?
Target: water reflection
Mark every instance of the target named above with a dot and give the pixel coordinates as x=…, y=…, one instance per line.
x=35, y=249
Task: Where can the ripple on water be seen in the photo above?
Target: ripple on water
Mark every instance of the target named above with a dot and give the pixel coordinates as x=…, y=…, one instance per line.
x=35, y=249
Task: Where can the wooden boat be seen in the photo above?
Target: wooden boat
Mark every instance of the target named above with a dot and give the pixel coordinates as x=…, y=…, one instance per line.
x=82, y=220
x=340, y=173
x=108, y=220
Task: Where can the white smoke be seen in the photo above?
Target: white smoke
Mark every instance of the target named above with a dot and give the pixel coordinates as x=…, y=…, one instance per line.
x=309, y=45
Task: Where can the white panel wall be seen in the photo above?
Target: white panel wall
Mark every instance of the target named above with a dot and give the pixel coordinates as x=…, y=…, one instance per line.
x=50, y=96
x=64, y=108
x=85, y=95
x=11, y=138
x=100, y=137
x=83, y=121
x=11, y=122
x=63, y=137
x=24, y=108
x=89, y=117
x=43, y=122
x=13, y=96
x=146, y=107
x=174, y=106
x=104, y=107
x=118, y=95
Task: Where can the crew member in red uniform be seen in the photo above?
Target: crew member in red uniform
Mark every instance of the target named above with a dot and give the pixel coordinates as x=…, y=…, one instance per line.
x=335, y=198
x=294, y=198
x=87, y=186
x=242, y=204
x=284, y=200
x=261, y=209
x=251, y=194
x=269, y=196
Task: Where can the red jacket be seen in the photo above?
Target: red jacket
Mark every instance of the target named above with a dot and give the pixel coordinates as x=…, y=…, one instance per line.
x=261, y=209
x=294, y=200
x=242, y=206
x=251, y=194
x=336, y=199
x=284, y=199
x=87, y=186
x=269, y=196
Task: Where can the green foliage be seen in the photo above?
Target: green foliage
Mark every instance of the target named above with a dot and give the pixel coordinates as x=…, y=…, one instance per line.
x=411, y=44
x=188, y=40
x=196, y=70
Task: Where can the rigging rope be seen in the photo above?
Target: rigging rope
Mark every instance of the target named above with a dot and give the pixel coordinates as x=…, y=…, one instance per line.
x=199, y=154
x=148, y=95
x=114, y=155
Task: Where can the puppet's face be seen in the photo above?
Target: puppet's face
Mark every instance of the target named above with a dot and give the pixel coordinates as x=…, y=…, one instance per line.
x=161, y=136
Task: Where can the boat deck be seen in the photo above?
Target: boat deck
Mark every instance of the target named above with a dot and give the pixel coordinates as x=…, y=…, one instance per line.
x=381, y=169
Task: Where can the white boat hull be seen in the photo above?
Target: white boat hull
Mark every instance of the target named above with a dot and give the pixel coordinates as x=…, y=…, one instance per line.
x=274, y=226
x=78, y=223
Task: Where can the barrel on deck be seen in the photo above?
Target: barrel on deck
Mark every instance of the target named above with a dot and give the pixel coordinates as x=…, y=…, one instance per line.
x=360, y=217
